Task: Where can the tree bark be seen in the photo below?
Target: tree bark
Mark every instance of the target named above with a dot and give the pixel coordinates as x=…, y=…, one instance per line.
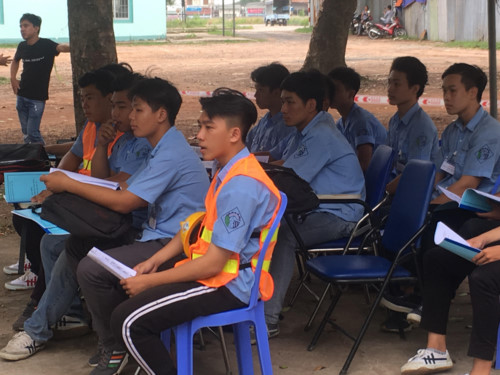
x=92, y=43
x=329, y=36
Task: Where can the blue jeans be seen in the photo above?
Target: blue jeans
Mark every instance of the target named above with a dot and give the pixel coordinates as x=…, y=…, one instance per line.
x=318, y=227
x=61, y=292
x=30, y=115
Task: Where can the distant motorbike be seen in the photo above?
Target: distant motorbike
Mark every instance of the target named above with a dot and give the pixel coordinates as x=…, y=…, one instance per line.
x=365, y=24
x=395, y=29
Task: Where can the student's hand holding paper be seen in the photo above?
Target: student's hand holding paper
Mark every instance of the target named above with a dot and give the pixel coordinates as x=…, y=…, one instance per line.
x=56, y=182
x=494, y=214
x=487, y=255
x=106, y=134
x=40, y=197
x=135, y=285
x=148, y=266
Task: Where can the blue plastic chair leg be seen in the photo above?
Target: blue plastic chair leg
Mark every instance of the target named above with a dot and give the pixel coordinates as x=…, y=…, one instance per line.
x=243, y=347
x=184, y=343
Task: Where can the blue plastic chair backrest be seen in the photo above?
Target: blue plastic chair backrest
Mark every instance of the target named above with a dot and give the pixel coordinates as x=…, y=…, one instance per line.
x=254, y=295
x=410, y=204
x=377, y=174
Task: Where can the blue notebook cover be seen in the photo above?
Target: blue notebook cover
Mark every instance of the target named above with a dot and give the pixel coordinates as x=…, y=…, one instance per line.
x=47, y=226
x=21, y=186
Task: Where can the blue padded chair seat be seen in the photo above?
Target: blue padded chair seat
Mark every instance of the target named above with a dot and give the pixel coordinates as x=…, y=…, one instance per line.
x=353, y=267
x=338, y=244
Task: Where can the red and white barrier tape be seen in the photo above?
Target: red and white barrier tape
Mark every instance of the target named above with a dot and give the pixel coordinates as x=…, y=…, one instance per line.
x=363, y=99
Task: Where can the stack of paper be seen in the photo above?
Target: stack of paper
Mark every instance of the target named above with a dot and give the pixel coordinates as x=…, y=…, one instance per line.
x=117, y=268
x=450, y=240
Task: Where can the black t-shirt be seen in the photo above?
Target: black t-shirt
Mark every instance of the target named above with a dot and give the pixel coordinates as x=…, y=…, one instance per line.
x=38, y=60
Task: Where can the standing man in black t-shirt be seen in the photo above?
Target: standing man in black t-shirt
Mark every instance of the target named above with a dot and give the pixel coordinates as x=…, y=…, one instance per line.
x=33, y=89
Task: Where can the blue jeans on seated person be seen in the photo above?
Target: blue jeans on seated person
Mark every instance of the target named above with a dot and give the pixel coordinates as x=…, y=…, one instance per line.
x=30, y=114
x=61, y=291
x=51, y=247
x=318, y=227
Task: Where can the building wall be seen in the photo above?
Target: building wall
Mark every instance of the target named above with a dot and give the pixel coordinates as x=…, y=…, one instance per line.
x=147, y=22
x=445, y=20
x=449, y=20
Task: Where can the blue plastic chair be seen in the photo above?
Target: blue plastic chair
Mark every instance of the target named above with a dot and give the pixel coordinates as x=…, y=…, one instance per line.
x=240, y=319
x=376, y=179
x=406, y=222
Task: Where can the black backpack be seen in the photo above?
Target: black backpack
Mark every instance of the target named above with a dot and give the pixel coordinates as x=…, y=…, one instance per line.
x=22, y=158
x=84, y=218
x=301, y=197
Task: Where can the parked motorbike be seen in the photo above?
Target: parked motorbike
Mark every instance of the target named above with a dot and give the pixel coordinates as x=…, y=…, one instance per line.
x=395, y=29
x=365, y=24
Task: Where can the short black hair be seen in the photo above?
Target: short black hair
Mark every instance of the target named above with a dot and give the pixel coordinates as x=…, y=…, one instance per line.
x=102, y=79
x=231, y=104
x=306, y=85
x=270, y=75
x=158, y=93
x=124, y=76
x=472, y=76
x=389, y=7
x=416, y=72
x=347, y=76
x=32, y=18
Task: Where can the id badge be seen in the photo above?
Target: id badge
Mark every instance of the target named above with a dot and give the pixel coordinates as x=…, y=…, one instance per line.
x=152, y=216
x=448, y=167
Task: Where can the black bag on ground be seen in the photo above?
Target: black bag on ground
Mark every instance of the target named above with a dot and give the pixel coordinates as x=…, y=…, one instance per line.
x=301, y=197
x=84, y=218
x=22, y=158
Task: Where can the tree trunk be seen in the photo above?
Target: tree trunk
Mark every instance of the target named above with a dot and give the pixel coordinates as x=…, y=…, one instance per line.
x=329, y=36
x=92, y=43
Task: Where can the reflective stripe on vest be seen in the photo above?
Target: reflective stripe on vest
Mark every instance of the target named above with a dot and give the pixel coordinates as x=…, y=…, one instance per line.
x=248, y=166
x=88, y=141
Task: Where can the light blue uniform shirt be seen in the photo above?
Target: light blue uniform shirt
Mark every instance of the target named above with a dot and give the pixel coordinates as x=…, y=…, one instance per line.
x=173, y=181
x=413, y=137
x=244, y=206
x=267, y=133
x=127, y=156
x=289, y=144
x=361, y=127
x=327, y=161
x=128, y=153
x=77, y=148
x=474, y=150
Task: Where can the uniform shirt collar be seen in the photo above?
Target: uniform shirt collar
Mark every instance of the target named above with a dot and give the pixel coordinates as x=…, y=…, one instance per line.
x=316, y=119
x=408, y=115
x=164, y=139
x=474, y=121
x=224, y=171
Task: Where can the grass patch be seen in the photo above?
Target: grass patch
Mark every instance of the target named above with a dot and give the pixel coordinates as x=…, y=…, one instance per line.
x=305, y=29
x=143, y=42
x=8, y=45
x=298, y=21
x=4, y=80
x=196, y=22
x=470, y=44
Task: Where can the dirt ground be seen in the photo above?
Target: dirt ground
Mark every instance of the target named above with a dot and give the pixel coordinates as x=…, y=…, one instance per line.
x=207, y=65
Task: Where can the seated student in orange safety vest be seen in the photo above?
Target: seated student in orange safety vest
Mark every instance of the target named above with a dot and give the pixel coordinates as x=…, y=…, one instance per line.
x=217, y=276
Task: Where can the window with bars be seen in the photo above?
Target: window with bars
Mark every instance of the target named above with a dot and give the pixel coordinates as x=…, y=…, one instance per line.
x=121, y=10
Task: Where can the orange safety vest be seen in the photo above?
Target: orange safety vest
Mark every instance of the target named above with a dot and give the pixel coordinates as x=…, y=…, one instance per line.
x=88, y=140
x=248, y=166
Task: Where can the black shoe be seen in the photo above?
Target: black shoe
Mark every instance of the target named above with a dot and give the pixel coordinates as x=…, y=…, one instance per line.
x=415, y=316
x=396, y=323
x=26, y=314
x=403, y=304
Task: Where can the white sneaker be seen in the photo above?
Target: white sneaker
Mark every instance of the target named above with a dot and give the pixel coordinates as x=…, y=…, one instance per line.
x=26, y=281
x=13, y=268
x=20, y=346
x=427, y=361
